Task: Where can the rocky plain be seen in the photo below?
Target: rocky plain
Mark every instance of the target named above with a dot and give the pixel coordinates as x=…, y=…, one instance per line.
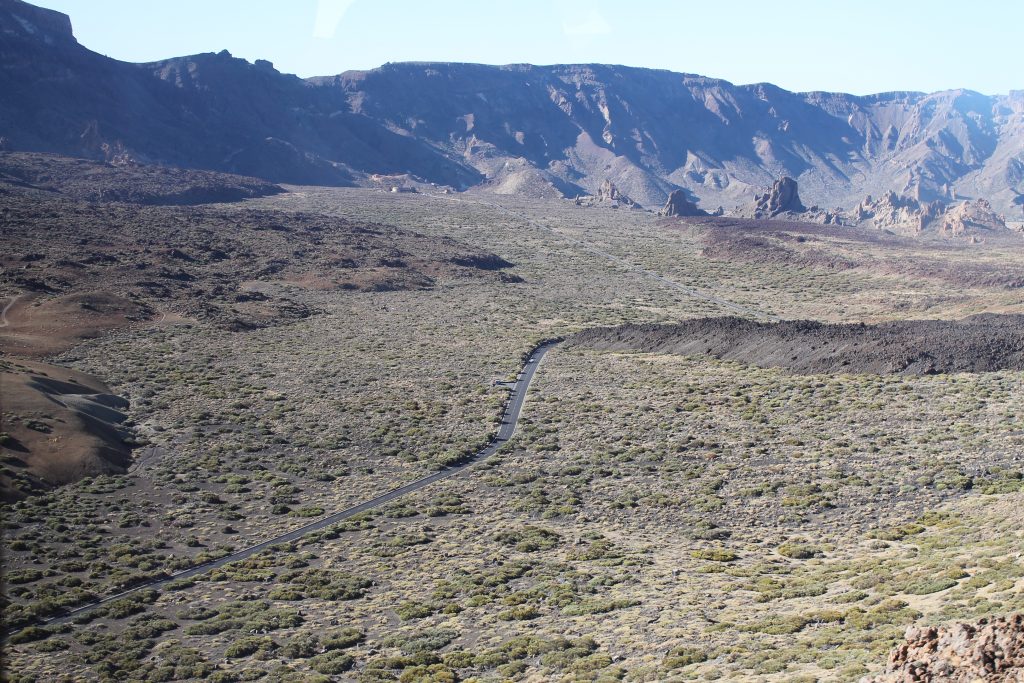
x=779, y=438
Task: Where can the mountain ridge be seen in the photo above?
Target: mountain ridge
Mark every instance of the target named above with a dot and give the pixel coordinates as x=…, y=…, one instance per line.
x=554, y=130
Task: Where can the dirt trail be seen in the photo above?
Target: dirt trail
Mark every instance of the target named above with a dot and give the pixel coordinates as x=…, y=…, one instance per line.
x=3, y=313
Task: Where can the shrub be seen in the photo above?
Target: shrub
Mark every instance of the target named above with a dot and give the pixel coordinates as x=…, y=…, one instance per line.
x=715, y=555
x=342, y=638
x=331, y=663
x=411, y=609
x=684, y=656
x=429, y=640
x=798, y=551
x=248, y=646
x=519, y=613
x=28, y=635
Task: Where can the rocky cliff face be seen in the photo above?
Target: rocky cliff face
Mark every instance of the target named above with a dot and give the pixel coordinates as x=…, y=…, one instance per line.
x=22, y=20
x=562, y=129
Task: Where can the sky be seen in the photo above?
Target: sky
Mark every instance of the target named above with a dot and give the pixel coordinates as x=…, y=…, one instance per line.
x=858, y=47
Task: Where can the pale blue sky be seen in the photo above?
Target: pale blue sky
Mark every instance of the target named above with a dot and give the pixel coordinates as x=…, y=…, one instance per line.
x=859, y=47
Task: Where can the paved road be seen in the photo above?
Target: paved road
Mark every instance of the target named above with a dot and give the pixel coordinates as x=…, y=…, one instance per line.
x=689, y=291
x=509, y=420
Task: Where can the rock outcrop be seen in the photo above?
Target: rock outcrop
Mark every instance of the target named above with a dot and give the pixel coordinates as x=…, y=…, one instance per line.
x=911, y=216
x=991, y=650
x=782, y=201
x=969, y=218
x=609, y=193
x=897, y=213
x=783, y=197
x=679, y=205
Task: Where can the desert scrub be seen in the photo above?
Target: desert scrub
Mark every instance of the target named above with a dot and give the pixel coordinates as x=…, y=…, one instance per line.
x=259, y=646
x=682, y=656
x=715, y=555
x=799, y=550
x=529, y=539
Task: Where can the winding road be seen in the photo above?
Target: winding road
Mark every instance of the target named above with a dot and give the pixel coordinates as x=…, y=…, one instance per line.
x=509, y=421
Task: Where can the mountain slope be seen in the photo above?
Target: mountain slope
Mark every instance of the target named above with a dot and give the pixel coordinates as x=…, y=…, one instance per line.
x=562, y=129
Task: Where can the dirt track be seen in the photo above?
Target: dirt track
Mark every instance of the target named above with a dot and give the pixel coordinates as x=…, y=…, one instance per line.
x=981, y=343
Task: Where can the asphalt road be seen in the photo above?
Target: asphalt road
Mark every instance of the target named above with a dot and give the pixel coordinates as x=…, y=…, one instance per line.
x=509, y=420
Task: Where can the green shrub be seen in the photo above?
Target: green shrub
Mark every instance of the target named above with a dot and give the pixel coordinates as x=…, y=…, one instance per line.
x=28, y=635
x=519, y=613
x=331, y=663
x=684, y=656
x=798, y=551
x=411, y=609
x=715, y=555
x=342, y=638
x=248, y=646
x=429, y=640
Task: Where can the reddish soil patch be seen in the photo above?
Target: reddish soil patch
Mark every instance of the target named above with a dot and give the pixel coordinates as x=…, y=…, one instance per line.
x=38, y=327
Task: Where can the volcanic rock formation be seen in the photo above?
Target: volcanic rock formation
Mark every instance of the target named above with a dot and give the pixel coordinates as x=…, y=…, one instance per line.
x=609, y=193
x=910, y=216
x=991, y=650
x=679, y=205
x=897, y=212
x=783, y=197
x=970, y=217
